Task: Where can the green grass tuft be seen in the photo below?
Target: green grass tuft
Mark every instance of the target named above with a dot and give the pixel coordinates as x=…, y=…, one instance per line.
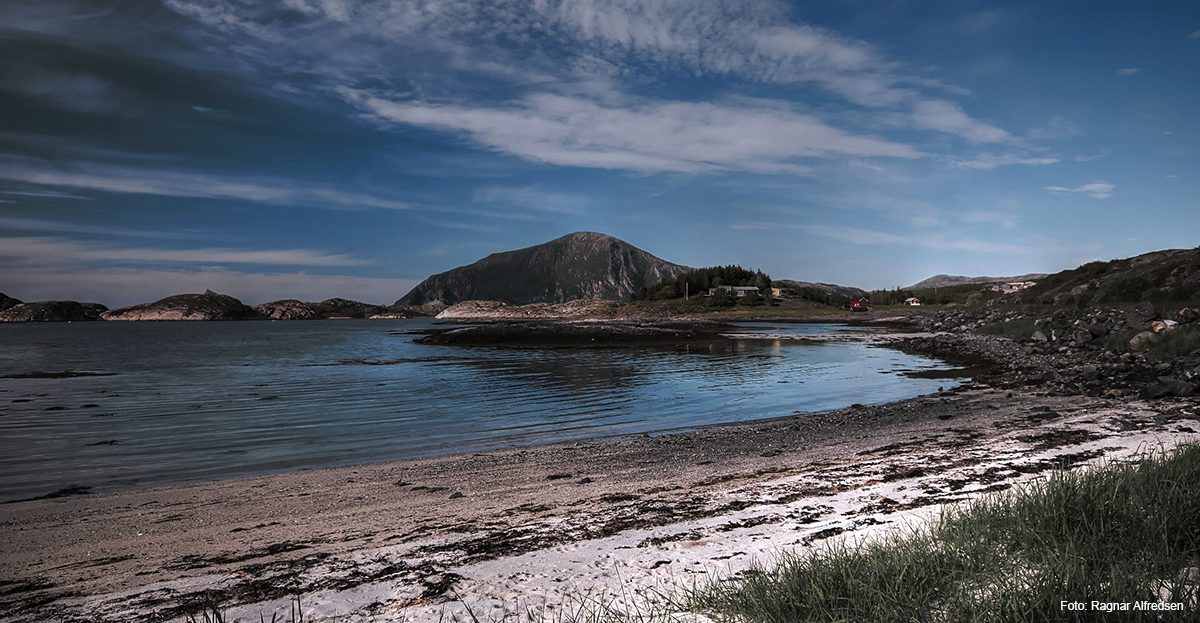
x=1017, y=330
x=1126, y=532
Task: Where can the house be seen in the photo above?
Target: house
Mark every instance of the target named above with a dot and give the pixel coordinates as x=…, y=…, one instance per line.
x=912, y=300
x=860, y=305
x=1012, y=287
x=738, y=291
x=777, y=292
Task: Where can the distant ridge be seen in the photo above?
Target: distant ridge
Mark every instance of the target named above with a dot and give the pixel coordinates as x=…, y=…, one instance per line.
x=582, y=265
x=942, y=281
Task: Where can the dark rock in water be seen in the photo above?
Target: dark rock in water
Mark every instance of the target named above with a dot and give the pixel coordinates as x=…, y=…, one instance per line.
x=53, y=311
x=582, y=265
x=7, y=302
x=569, y=334
x=187, y=307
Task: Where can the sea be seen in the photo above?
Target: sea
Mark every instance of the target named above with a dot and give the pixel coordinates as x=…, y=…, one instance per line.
x=124, y=405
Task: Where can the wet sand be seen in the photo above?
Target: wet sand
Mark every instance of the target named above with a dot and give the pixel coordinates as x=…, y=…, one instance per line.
x=606, y=518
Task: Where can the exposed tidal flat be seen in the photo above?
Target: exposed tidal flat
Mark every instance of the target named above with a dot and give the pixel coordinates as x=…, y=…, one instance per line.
x=111, y=407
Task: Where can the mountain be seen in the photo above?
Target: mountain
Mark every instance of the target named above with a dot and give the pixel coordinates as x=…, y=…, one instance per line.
x=582, y=265
x=942, y=281
x=1166, y=276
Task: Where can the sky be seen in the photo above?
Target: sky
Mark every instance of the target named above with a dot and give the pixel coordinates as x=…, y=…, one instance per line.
x=317, y=148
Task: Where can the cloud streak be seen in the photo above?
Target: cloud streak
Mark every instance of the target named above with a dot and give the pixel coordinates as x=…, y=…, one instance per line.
x=167, y=183
x=1099, y=190
x=50, y=251
x=644, y=136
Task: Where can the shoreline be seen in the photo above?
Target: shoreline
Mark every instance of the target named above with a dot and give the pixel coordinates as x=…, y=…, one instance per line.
x=398, y=540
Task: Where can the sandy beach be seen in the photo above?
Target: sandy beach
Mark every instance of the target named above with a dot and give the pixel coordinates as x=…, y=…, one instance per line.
x=608, y=521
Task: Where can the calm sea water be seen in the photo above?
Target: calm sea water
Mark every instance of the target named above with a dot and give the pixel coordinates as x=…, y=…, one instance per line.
x=186, y=402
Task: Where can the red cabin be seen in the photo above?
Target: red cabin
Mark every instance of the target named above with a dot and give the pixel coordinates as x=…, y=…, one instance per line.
x=860, y=305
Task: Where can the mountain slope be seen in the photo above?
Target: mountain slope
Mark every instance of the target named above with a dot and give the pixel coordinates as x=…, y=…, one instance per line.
x=582, y=265
x=942, y=281
x=1172, y=275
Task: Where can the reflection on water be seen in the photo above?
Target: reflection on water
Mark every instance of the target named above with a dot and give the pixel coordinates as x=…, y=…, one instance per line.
x=201, y=401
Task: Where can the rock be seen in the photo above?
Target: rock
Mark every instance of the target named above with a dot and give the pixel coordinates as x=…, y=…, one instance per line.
x=1158, y=326
x=1185, y=315
x=186, y=307
x=495, y=310
x=1141, y=315
x=289, y=309
x=1153, y=392
x=1038, y=336
x=456, y=495
x=1082, y=336
x=1182, y=389
x=1142, y=340
x=53, y=311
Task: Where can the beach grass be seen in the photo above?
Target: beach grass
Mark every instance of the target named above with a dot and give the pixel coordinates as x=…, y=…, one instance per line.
x=1123, y=533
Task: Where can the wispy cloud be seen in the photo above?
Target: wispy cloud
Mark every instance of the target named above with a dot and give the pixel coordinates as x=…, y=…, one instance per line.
x=49, y=251
x=1089, y=158
x=533, y=198
x=987, y=162
x=642, y=136
x=182, y=183
x=1099, y=190
x=1129, y=71
x=948, y=117
x=46, y=225
x=929, y=241
x=1194, y=35
x=562, y=103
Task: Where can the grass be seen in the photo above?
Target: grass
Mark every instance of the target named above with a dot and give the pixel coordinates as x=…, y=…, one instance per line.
x=1017, y=330
x=1125, y=532
x=1175, y=342
x=212, y=613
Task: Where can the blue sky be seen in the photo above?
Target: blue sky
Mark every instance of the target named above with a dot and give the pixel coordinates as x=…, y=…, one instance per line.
x=317, y=148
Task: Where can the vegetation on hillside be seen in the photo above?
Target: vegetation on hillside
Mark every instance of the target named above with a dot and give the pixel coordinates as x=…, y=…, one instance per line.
x=698, y=281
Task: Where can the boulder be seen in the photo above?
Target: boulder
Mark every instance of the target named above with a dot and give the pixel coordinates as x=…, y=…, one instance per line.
x=1182, y=389
x=1082, y=336
x=1158, y=326
x=1140, y=316
x=1142, y=340
x=1153, y=391
x=1187, y=314
x=1038, y=336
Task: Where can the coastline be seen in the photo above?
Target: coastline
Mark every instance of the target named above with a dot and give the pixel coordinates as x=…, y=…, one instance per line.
x=398, y=541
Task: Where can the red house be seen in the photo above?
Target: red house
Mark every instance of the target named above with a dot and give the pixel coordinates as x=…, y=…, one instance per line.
x=860, y=305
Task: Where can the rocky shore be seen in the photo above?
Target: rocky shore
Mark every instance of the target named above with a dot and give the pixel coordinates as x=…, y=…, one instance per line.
x=576, y=333
x=1091, y=352
x=423, y=540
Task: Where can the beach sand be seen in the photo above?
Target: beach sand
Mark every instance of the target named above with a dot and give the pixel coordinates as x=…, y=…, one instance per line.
x=608, y=521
